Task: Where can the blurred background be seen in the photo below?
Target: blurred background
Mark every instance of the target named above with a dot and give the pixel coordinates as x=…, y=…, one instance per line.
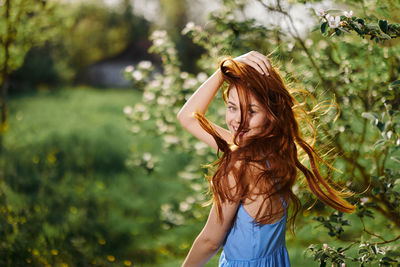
x=96, y=171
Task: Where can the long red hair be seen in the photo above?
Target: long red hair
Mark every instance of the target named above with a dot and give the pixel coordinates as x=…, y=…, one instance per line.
x=270, y=160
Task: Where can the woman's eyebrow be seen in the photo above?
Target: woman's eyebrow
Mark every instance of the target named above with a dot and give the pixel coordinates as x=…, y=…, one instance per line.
x=251, y=105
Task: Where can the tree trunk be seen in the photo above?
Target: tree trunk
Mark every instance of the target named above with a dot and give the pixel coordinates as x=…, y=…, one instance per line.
x=3, y=127
x=4, y=74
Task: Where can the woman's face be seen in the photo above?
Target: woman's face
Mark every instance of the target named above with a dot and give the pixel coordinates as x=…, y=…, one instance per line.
x=255, y=120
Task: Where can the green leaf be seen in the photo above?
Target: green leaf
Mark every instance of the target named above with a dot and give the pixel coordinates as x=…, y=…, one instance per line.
x=356, y=27
x=374, y=248
x=387, y=259
x=379, y=143
x=395, y=84
x=383, y=24
x=323, y=27
x=380, y=126
x=370, y=115
x=397, y=159
x=384, y=35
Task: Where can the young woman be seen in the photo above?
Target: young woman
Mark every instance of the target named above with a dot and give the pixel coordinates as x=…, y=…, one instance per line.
x=253, y=178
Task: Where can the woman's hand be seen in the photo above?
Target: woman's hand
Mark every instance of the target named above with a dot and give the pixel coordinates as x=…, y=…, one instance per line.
x=256, y=60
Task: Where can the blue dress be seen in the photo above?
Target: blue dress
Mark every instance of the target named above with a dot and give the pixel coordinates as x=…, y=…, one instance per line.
x=250, y=245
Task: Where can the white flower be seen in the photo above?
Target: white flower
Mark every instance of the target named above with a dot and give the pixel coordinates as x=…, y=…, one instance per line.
x=128, y=110
x=190, y=25
x=195, y=187
x=147, y=156
x=166, y=207
x=159, y=34
x=129, y=68
x=183, y=206
x=145, y=64
x=148, y=96
x=167, y=83
x=155, y=83
x=145, y=116
x=140, y=107
x=200, y=145
x=309, y=42
x=364, y=200
x=325, y=246
x=333, y=22
x=184, y=75
x=290, y=46
x=162, y=100
x=137, y=75
x=201, y=77
x=343, y=265
x=189, y=83
x=159, y=42
x=171, y=139
x=348, y=14
x=171, y=51
x=320, y=12
x=187, y=175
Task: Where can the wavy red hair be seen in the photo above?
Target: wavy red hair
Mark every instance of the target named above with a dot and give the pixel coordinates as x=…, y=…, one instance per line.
x=270, y=160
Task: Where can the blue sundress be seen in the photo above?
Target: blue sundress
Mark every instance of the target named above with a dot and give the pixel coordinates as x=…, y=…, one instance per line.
x=251, y=245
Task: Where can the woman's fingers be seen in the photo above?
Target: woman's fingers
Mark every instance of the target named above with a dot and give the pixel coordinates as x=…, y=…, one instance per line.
x=256, y=60
x=266, y=64
x=261, y=61
x=251, y=63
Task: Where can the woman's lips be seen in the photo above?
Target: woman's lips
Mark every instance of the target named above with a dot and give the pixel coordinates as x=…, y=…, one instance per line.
x=241, y=133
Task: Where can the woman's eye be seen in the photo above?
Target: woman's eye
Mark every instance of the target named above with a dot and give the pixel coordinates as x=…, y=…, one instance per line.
x=231, y=108
x=252, y=112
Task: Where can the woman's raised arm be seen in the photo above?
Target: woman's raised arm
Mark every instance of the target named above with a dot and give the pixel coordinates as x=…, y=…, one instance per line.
x=199, y=102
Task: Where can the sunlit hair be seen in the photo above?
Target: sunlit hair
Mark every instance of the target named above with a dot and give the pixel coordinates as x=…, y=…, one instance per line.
x=268, y=161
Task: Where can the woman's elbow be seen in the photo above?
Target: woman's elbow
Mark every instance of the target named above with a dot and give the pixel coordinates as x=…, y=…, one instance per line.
x=209, y=243
x=184, y=119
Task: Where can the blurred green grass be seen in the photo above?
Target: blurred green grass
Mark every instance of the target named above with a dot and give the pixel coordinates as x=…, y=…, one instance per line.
x=34, y=116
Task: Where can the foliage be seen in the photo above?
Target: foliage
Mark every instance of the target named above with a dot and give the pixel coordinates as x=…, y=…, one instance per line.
x=67, y=197
x=23, y=25
x=85, y=41
x=361, y=75
x=80, y=40
x=337, y=25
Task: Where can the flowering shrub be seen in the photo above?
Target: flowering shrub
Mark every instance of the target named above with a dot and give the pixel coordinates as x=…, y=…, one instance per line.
x=347, y=22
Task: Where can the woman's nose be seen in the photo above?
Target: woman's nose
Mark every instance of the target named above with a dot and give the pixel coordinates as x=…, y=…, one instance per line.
x=237, y=117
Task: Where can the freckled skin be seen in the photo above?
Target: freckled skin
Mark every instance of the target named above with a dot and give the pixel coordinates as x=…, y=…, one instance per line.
x=256, y=113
